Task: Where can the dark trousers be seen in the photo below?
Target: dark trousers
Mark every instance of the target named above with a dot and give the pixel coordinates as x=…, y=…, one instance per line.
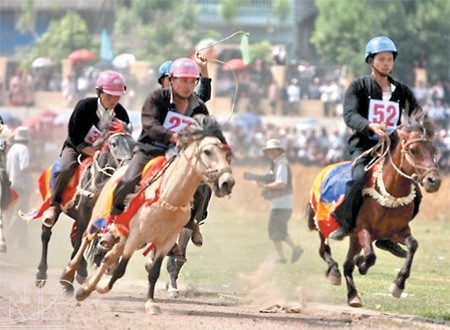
x=346, y=213
x=130, y=179
x=67, y=167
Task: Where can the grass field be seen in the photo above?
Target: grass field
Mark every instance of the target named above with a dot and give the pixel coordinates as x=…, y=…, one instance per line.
x=237, y=257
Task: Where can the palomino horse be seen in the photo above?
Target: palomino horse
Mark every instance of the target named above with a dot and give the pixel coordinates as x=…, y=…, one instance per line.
x=203, y=156
x=387, y=207
x=116, y=148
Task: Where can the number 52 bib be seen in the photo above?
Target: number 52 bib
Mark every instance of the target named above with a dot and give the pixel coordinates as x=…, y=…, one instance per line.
x=384, y=112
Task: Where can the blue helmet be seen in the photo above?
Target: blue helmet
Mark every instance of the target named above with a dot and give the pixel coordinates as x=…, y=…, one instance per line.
x=378, y=45
x=164, y=70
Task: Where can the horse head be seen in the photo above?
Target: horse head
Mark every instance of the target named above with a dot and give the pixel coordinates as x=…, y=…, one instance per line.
x=210, y=153
x=417, y=151
x=116, y=147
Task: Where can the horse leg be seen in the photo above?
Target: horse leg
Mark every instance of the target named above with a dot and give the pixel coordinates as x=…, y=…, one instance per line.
x=367, y=260
x=174, y=265
x=332, y=273
x=151, y=307
x=353, y=299
x=2, y=235
x=41, y=276
x=68, y=275
x=109, y=260
x=128, y=247
x=398, y=286
x=82, y=223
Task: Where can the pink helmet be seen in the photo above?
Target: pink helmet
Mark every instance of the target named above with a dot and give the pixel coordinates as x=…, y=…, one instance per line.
x=111, y=82
x=184, y=68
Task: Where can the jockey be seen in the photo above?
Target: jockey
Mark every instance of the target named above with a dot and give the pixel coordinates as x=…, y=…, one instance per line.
x=204, y=88
x=155, y=139
x=203, y=194
x=366, y=104
x=84, y=130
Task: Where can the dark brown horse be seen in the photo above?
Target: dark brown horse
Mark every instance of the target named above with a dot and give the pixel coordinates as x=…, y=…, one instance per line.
x=408, y=160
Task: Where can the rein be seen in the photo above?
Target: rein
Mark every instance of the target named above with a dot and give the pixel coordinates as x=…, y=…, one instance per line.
x=384, y=198
x=210, y=175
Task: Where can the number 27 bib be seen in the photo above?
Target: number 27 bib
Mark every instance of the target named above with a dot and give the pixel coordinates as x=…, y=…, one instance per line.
x=384, y=112
x=176, y=122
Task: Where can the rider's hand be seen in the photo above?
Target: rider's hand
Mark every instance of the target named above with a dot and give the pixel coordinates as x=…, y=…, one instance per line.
x=174, y=138
x=378, y=129
x=202, y=62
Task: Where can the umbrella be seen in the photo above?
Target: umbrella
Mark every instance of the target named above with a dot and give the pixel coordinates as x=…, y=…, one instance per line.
x=81, y=55
x=42, y=62
x=123, y=61
x=235, y=64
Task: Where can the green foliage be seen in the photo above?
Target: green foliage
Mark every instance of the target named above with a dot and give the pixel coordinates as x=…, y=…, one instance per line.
x=281, y=8
x=62, y=37
x=344, y=27
x=27, y=18
x=260, y=50
x=156, y=30
x=229, y=9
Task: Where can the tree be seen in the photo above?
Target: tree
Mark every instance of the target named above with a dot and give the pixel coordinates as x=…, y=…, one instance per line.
x=343, y=28
x=62, y=37
x=27, y=19
x=156, y=30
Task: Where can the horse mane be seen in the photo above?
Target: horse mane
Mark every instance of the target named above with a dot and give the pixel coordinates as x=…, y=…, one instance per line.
x=416, y=121
x=203, y=126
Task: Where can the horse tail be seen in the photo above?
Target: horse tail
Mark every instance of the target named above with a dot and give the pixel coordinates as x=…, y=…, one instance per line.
x=310, y=217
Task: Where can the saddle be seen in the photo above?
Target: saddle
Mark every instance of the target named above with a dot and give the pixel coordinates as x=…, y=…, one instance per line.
x=328, y=192
x=46, y=183
x=120, y=224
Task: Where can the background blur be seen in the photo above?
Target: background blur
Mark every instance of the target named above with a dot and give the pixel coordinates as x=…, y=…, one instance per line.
x=286, y=80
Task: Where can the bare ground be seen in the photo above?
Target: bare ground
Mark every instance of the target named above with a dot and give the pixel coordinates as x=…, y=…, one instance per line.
x=24, y=306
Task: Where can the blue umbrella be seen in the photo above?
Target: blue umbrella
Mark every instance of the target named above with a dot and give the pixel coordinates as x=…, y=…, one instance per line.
x=106, y=52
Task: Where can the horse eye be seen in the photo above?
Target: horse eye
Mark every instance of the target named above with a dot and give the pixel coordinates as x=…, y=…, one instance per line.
x=207, y=152
x=413, y=151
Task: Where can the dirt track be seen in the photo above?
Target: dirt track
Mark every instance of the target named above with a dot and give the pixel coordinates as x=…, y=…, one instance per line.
x=23, y=306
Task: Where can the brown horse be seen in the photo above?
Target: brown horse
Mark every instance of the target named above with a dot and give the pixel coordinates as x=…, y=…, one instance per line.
x=203, y=156
x=388, y=204
x=116, y=148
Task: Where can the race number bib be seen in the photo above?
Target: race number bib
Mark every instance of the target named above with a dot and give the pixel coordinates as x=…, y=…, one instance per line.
x=93, y=134
x=176, y=122
x=384, y=112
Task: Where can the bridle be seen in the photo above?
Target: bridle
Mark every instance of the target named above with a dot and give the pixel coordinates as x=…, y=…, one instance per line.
x=210, y=175
x=420, y=172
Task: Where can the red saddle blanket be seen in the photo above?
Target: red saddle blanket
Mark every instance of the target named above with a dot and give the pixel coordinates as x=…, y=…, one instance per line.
x=46, y=183
x=121, y=222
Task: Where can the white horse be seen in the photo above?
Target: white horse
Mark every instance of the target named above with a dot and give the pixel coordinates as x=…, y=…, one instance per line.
x=203, y=156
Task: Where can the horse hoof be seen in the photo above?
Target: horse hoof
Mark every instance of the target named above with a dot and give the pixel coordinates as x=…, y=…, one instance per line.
x=334, y=279
x=67, y=284
x=395, y=291
x=355, y=302
x=152, y=308
x=80, y=278
x=102, y=288
x=41, y=278
x=173, y=293
x=82, y=293
x=2, y=248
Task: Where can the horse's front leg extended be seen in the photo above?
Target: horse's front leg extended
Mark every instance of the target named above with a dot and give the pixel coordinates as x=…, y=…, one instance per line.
x=174, y=265
x=41, y=276
x=398, y=286
x=353, y=298
x=367, y=260
x=150, y=306
x=108, y=261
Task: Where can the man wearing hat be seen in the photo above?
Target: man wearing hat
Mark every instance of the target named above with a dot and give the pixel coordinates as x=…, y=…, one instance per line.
x=278, y=190
x=17, y=167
